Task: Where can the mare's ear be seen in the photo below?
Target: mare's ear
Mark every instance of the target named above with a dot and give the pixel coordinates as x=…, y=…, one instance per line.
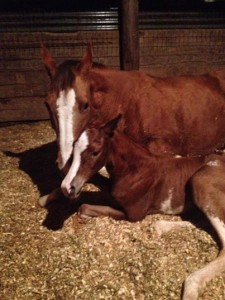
x=86, y=62
x=111, y=126
x=48, y=61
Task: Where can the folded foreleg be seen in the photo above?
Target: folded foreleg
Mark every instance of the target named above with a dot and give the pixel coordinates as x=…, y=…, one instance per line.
x=86, y=210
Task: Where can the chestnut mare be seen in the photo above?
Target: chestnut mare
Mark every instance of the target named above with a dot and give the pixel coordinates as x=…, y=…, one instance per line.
x=183, y=115
x=143, y=184
x=63, y=103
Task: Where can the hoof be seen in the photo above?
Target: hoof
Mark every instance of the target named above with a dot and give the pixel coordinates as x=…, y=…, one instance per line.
x=82, y=213
x=43, y=201
x=83, y=217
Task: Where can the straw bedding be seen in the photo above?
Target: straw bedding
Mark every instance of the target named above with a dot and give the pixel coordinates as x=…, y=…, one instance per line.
x=48, y=254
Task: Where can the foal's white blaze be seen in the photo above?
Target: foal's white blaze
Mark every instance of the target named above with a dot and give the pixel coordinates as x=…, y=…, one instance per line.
x=65, y=104
x=79, y=147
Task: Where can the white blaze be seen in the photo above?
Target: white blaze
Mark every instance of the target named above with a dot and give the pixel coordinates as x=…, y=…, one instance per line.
x=79, y=147
x=65, y=104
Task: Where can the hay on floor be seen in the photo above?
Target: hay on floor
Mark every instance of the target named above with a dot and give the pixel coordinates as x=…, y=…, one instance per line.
x=48, y=254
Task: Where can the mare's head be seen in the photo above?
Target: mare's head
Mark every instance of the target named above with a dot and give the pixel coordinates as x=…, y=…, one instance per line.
x=91, y=150
x=68, y=101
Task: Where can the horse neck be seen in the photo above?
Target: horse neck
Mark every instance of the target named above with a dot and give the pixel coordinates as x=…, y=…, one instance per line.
x=120, y=81
x=115, y=91
x=124, y=155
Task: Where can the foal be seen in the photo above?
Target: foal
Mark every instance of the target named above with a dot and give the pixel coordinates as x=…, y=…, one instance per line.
x=145, y=184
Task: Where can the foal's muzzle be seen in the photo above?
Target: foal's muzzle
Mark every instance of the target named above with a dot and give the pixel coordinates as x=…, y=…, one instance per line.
x=72, y=189
x=74, y=193
x=76, y=187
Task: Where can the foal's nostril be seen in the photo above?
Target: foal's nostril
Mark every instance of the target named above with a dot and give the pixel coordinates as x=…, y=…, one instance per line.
x=72, y=190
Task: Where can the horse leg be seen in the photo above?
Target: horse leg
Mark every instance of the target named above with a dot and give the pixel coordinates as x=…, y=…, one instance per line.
x=209, y=195
x=86, y=210
x=46, y=199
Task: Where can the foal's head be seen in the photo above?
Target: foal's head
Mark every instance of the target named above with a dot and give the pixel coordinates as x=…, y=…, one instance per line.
x=90, y=156
x=68, y=100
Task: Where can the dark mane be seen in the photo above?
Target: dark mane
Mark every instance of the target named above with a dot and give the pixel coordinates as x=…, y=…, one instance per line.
x=64, y=77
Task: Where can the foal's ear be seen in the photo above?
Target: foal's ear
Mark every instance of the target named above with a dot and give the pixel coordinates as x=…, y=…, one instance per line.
x=111, y=126
x=48, y=61
x=86, y=62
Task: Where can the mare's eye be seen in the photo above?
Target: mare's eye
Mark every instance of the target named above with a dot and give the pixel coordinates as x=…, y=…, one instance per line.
x=85, y=105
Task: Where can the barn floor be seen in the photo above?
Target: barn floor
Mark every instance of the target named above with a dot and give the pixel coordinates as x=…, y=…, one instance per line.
x=48, y=254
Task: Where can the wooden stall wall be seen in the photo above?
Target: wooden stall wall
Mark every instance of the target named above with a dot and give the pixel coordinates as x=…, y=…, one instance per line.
x=182, y=51
x=23, y=79
x=24, y=82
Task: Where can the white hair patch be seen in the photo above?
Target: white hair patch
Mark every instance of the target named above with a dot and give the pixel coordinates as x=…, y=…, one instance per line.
x=79, y=147
x=166, y=206
x=65, y=104
x=220, y=228
x=214, y=163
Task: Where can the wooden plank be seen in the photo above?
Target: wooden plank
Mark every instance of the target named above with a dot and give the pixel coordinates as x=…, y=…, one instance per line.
x=18, y=77
x=26, y=43
x=176, y=69
x=23, y=84
x=23, y=90
x=23, y=109
x=130, y=35
x=21, y=64
x=58, y=53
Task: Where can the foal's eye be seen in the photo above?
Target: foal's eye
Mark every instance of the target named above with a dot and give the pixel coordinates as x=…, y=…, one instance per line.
x=95, y=153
